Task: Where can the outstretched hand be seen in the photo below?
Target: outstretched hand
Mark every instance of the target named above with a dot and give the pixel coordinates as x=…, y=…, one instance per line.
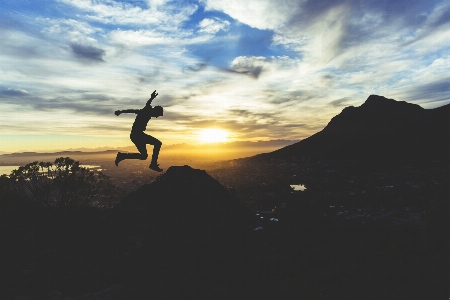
x=153, y=96
x=117, y=112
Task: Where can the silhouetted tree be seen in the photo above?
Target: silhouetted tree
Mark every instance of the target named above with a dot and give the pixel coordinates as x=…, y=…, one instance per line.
x=62, y=183
x=6, y=191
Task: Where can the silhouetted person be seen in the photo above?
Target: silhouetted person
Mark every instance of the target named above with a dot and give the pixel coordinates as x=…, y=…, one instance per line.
x=139, y=138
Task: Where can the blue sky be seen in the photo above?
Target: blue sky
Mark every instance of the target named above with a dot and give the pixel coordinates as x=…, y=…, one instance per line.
x=259, y=69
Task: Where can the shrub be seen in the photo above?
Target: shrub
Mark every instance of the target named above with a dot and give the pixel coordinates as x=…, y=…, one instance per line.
x=62, y=183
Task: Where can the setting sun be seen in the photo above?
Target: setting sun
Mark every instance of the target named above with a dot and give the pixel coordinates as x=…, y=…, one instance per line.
x=213, y=135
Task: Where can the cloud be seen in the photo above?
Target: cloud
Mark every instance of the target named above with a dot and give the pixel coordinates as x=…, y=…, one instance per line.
x=198, y=67
x=94, y=104
x=164, y=44
x=71, y=29
x=13, y=93
x=79, y=38
x=340, y=102
x=20, y=39
x=88, y=52
x=321, y=31
x=212, y=26
x=259, y=68
x=261, y=14
x=442, y=16
x=255, y=66
x=249, y=65
x=431, y=92
x=167, y=16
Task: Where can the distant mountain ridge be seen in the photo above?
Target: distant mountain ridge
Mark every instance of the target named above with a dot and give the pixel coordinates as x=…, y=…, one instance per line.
x=381, y=129
x=58, y=153
x=106, y=150
x=211, y=152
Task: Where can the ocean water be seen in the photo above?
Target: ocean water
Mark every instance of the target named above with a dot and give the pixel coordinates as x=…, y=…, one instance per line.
x=7, y=169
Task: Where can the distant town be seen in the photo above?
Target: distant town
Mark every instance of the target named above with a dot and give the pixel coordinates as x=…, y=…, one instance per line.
x=343, y=191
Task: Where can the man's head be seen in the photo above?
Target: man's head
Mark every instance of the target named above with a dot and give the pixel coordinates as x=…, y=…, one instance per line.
x=157, y=111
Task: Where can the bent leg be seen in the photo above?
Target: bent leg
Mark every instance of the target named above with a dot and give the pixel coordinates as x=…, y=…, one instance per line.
x=156, y=148
x=122, y=156
x=139, y=141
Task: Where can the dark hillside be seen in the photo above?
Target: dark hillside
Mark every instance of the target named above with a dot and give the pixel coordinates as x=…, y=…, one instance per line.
x=177, y=238
x=186, y=234
x=186, y=237
x=381, y=129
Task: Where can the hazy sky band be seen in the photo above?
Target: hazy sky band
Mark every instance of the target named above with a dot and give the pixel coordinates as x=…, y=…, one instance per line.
x=257, y=68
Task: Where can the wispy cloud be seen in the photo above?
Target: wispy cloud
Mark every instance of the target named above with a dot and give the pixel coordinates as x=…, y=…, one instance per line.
x=213, y=26
x=13, y=93
x=123, y=13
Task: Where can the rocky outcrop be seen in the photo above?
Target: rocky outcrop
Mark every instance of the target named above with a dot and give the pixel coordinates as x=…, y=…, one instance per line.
x=184, y=231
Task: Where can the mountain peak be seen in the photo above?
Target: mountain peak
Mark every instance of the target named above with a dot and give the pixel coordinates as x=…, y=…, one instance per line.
x=194, y=191
x=378, y=100
x=183, y=171
x=381, y=129
x=380, y=103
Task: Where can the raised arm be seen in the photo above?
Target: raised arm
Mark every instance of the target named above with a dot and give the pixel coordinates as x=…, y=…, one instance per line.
x=153, y=96
x=131, y=111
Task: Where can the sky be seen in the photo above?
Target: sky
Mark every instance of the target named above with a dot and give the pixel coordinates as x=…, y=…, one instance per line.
x=257, y=69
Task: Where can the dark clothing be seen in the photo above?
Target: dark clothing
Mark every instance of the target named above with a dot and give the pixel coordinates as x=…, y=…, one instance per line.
x=140, y=139
x=144, y=115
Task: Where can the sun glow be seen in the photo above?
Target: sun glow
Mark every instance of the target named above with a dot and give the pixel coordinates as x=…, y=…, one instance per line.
x=212, y=136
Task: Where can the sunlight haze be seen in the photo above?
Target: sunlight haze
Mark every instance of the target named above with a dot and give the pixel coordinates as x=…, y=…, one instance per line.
x=213, y=136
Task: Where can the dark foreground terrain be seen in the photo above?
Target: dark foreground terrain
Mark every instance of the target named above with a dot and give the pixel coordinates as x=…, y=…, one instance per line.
x=352, y=234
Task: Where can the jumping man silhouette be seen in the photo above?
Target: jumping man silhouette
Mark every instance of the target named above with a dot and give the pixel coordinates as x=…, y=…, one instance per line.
x=139, y=138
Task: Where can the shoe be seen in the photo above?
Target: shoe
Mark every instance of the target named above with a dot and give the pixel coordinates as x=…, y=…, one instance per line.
x=119, y=158
x=155, y=167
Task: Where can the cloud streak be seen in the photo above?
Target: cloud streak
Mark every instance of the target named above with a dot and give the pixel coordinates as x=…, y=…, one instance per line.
x=88, y=52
